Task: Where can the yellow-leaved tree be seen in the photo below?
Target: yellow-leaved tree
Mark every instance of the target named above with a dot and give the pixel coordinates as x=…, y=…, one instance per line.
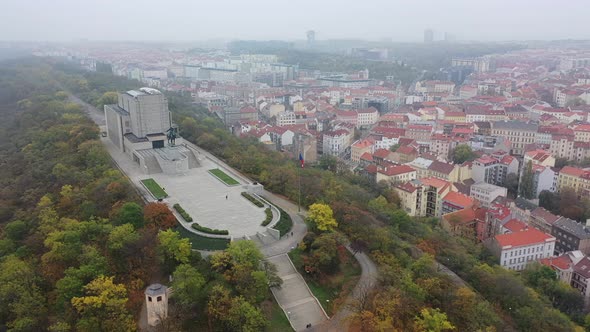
x=322, y=217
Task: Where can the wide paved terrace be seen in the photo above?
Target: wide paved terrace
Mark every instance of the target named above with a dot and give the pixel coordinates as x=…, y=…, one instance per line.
x=202, y=195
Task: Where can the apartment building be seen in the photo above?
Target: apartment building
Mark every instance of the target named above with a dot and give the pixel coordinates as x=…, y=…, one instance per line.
x=518, y=249
x=517, y=132
x=486, y=193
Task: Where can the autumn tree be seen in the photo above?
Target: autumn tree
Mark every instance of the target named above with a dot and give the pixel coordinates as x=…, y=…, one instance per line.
x=158, y=215
x=432, y=320
x=233, y=313
x=103, y=307
x=321, y=216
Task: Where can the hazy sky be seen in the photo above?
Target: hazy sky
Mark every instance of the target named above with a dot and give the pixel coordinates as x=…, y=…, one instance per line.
x=183, y=20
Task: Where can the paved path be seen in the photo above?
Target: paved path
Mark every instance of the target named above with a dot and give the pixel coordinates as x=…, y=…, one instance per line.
x=339, y=321
x=294, y=297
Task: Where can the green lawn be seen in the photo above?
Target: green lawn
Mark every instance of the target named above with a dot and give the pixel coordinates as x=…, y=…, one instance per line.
x=278, y=321
x=203, y=243
x=333, y=289
x=223, y=177
x=284, y=224
x=154, y=188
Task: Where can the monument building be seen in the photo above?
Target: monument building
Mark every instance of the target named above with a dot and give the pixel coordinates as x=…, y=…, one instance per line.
x=140, y=125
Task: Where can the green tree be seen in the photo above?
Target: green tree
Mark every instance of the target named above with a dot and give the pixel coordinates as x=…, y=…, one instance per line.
x=173, y=249
x=130, y=213
x=511, y=183
x=463, y=153
x=394, y=147
x=550, y=201
x=233, y=313
x=122, y=236
x=187, y=284
x=322, y=217
x=526, y=182
x=432, y=320
x=22, y=304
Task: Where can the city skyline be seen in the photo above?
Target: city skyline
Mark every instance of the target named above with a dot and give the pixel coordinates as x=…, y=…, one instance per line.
x=398, y=21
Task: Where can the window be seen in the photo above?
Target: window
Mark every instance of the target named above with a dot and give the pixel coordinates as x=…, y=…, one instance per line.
x=159, y=299
x=149, y=299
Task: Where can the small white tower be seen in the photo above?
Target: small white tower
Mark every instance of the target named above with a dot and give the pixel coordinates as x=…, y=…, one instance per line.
x=156, y=299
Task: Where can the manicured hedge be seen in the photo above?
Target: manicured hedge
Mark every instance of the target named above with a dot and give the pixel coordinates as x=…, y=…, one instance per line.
x=252, y=199
x=209, y=230
x=183, y=213
x=268, y=217
x=285, y=223
x=196, y=226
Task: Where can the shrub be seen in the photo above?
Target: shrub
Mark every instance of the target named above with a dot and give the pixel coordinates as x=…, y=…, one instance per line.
x=183, y=213
x=252, y=199
x=209, y=230
x=268, y=219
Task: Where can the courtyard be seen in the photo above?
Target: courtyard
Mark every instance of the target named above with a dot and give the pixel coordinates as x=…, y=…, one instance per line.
x=207, y=199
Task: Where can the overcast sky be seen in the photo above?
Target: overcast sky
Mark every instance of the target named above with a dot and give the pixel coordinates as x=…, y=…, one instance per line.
x=191, y=20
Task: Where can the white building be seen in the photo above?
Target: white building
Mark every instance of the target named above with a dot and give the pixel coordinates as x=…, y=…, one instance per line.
x=286, y=119
x=336, y=142
x=486, y=193
x=367, y=117
x=517, y=250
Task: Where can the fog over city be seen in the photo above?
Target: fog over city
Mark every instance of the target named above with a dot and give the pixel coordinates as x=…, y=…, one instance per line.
x=183, y=20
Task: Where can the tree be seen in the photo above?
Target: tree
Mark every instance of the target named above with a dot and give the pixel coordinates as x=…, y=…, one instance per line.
x=103, y=307
x=394, y=147
x=570, y=205
x=328, y=162
x=122, y=236
x=159, y=216
x=511, y=183
x=173, y=249
x=22, y=304
x=234, y=313
x=432, y=320
x=526, y=182
x=463, y=153
x=129, y=213
x=187, y=284
x=550, y=201
x=321, y=216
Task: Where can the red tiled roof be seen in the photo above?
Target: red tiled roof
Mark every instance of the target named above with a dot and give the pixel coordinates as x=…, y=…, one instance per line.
x=515, y=225
x=381, y=153
x=527, y=237
x=363, y=144
x=562, y=262
x=367, y=156
x=406, y=187
x=441, y=167
x=466, y=215
x=574, y=171
x=396, y=170
x=406, y=150
x=458, y=199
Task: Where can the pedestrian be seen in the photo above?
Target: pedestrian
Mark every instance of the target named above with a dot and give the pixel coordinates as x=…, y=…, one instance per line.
x=291, y=233
x=226, y=197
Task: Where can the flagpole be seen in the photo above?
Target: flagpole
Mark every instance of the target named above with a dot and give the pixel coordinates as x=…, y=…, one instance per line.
x=299, y=174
